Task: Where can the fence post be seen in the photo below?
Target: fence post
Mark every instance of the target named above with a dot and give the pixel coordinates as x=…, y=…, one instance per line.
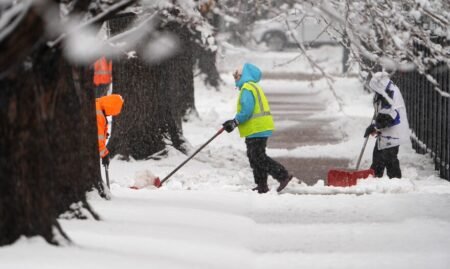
x=447, y=127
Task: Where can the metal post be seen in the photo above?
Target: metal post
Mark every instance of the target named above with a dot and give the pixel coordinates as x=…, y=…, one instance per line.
x=107, y=175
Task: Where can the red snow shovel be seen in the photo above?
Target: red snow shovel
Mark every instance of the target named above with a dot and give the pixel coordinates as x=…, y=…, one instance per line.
x=343, y=178
x=159, y=183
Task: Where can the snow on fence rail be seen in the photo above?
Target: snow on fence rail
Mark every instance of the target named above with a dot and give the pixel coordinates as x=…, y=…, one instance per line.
x=429, y=113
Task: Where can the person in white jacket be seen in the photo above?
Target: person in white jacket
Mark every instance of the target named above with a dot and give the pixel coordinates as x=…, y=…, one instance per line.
x=390, y=125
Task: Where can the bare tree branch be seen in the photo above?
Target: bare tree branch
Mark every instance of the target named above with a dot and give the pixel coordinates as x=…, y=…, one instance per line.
x=97, y=19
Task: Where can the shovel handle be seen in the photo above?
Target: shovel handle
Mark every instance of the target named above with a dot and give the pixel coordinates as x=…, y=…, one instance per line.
x=190, y=157
x=365, y=141
x=362, y=152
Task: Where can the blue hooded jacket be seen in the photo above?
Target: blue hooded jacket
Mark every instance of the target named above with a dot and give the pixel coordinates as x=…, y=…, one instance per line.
x=250, y=73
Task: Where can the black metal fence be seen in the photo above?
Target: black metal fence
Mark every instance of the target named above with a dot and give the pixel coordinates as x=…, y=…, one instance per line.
x=429, y=114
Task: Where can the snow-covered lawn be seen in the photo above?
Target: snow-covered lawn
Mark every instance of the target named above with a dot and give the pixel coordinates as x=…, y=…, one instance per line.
x=207, y=216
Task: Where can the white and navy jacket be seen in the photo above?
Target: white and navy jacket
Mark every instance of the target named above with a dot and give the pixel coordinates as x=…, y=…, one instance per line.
x=391, y=119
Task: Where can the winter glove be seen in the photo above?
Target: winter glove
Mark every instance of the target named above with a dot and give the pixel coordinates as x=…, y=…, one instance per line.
x=370, y=130
x=229, y=125
x=384, y=120
x=105, y=160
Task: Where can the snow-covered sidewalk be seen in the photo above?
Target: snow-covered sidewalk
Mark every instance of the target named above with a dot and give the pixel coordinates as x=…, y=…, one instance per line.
x=207, y=216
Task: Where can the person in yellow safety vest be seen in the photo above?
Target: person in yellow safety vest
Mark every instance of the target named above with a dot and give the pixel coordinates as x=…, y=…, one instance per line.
x=109, y=105
x=102, y=76
x=255, y=123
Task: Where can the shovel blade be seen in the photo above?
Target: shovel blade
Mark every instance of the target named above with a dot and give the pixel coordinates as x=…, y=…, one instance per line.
x=343, y=178
x=157, y=182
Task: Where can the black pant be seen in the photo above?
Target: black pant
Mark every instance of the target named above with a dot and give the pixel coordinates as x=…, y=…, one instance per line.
x=101, y=90
x=262, y=164
x=386, y=158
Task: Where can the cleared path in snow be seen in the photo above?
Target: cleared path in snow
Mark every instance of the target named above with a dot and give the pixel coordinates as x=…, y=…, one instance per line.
x=302, y=109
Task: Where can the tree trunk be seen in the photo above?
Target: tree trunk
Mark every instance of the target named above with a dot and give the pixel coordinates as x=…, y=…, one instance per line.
x=204, y=56
x=179, y=76
x=206, y=62
x=156, y=98
x=49, y=155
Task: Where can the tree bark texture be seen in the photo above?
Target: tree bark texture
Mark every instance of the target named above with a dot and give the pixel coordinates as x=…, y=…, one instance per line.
x=17, y=46
x=156, y=97
x=204, y=56
x=206, y=62
x=178, y=75
x=49, y=153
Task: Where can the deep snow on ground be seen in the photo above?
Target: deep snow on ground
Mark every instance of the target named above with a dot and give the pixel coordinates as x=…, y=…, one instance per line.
x=207, y=217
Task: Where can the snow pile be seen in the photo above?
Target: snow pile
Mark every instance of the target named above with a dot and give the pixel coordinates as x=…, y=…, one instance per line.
x=144, y=179
x=364, y=186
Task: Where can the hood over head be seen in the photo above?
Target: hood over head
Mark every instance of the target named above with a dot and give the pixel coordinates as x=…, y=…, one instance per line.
x=251, y=73
x=111, y=104
x=379, y=83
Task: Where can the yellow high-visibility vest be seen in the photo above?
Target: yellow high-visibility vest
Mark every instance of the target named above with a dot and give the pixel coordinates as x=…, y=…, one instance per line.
x=261, y=119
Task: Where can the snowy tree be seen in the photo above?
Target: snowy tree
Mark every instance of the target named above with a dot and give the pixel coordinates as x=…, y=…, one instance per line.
x=49, y=156
x=155, y=101
x=48, y=141
x=387, y=34
x=159, y=90
x=379, y=33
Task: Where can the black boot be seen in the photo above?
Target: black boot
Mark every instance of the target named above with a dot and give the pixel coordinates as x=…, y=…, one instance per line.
x=284, y=182
x=261, y=188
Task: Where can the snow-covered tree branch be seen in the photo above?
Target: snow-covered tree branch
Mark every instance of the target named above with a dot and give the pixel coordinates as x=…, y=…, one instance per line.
x=381, y=34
